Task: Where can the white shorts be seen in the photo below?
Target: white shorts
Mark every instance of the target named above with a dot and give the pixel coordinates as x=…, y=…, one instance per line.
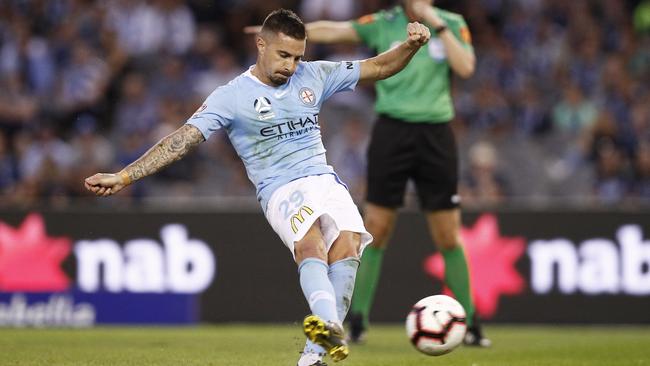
x=294, y=207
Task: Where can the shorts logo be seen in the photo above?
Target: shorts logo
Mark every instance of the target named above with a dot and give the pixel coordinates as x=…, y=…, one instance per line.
x=307, y=96
x=262, y=106
x=299, y=217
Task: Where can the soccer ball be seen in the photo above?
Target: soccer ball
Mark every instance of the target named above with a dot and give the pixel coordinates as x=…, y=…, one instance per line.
x=436, y=325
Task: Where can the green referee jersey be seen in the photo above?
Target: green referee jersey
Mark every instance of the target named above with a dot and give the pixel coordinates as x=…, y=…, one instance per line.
x=420, y=92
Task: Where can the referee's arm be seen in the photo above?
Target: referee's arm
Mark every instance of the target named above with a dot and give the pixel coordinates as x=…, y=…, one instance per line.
x=393, y=61
x=461, y=59
x=323, y=31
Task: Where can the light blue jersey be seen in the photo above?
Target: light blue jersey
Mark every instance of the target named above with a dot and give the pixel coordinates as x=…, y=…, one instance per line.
x=275, y=130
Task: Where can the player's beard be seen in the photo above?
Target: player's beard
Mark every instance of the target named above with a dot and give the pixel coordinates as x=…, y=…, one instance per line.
x=279, y=78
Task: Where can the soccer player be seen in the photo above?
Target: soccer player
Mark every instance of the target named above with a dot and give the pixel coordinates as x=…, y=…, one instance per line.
x=270, y=114
x=411, y=140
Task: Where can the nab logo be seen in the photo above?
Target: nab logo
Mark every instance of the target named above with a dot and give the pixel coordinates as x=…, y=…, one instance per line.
x=299, y=217
x=262, y=106
x=181, y=265
x=487, y=252
x=30, y=260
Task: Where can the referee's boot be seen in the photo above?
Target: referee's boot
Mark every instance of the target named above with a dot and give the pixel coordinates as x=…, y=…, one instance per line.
x=474, y=335
x=327, y=334
x=357, y=330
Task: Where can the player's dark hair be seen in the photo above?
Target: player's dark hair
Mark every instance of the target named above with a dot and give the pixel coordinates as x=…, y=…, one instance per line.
x=284, y=21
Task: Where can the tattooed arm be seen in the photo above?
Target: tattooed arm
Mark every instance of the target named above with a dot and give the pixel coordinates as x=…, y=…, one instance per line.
x=165, y=152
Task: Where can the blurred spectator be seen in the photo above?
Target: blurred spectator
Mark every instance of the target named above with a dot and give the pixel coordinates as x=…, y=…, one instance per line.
x=531, y=117
x=8, y=169
x=172, y=80
x=483, y=183
x=642, y=172
x=613, y=177
x=570, y=80
x=137, y=108
x=222, y=67
x=573, y=114
x=91, y=151
x=145, y=28
x=312, y=10
x=346, y=152
x=46, y=151
x=82, y=82
x=178, y=25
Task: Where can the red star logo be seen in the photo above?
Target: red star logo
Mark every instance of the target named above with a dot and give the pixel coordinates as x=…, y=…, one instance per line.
x=30, y=260
x=492, y=261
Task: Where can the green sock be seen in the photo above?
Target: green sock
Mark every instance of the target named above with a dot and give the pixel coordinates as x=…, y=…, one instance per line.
x=366, y=283
x=457, y=279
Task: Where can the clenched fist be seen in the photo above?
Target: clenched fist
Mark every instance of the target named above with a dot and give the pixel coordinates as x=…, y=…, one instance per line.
x=105, y=184
x=418, y=34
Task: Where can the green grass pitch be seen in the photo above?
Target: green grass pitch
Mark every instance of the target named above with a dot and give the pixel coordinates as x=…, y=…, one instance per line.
x=264, y=345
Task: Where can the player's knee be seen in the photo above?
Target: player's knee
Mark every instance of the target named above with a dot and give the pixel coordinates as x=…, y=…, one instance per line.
x=309, y=249
x=347, y=245
x=335, y=256
x=380, y=229
x=448, y=239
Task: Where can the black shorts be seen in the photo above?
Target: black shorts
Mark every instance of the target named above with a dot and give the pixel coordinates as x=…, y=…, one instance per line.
x=424, y=152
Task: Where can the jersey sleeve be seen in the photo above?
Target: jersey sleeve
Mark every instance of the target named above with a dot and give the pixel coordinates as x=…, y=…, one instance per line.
x=337, y=76
x=459, y=27
x=216, y=112
x=367, y=28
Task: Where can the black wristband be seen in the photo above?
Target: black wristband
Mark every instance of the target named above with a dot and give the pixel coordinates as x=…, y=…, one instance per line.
x=439, y=29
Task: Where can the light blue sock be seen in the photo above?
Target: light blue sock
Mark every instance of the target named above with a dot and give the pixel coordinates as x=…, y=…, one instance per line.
x=320, y=295
x=318, y=289
x=342, y=275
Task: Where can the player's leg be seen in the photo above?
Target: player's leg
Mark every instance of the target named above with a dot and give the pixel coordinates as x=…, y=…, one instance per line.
x=344, y=263
x=343, y=259
x=345, y=237
x=436, y=182
x=323, y=328
x=379, y=222
x=296, y=212
x=342, y=237
x=311, y=257
x=444, y=226
x=390, y=162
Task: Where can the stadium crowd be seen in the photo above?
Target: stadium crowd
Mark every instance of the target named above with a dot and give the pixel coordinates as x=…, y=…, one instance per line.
x=558, y=110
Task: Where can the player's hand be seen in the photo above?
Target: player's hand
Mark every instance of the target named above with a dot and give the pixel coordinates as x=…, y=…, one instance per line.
x=252, y=29
x=418, y=34
x=104, y=184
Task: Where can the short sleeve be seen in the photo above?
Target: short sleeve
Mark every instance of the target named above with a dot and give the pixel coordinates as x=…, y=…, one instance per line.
x=216, y=112
x=460, y=29
x=337, y=76
x=367, y=28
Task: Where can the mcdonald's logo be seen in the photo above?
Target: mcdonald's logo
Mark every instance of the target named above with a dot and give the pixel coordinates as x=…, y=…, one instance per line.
x=299, y=217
